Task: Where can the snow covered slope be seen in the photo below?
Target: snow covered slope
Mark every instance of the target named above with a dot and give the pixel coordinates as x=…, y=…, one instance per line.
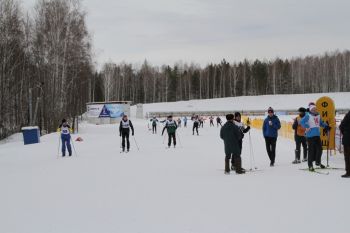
x=246, y=103
x=158, y=190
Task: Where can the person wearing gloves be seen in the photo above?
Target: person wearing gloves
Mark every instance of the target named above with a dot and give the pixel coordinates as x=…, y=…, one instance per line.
x=124, y=132
x=65, y=131
x=312, y=123
x=299, y=137
x=270, y=129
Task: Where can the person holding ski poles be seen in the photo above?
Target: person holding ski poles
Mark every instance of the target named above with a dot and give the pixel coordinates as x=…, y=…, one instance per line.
x=154, y=121
x=179, y=122
x=312, y=123
x=171, y=127
x=218, y=121
x=299, y=137
x=345, y=130
x=65, y=131
x=243, y=130
x=231, y=135
x=124, y=132
x=185, y=122
x=195, y=120
x=270, y=128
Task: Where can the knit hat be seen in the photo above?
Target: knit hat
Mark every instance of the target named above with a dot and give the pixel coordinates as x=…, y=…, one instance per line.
x=270, y=109
x=302, y=109
x=237, y=114
x=229, y=117
x=64, y=120
x=312, y=105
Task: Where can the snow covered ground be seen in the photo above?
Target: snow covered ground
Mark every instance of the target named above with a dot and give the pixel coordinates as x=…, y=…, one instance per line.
x=158, y=190
x=247, y=103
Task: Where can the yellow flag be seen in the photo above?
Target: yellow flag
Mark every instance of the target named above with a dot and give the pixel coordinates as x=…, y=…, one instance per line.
x=326, y=108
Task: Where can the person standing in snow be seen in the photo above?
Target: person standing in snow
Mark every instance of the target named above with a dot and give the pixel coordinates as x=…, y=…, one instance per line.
x=345, y=130
x=171, y=127
x=312, y=123
x=154, y=121
x=211, y=118
x=65, y=130
x=299, y=137
x=179, y=122
x=195, y=120
x=231, y=135
x=201, y=121
x=243, y=130
x=124, y=132
x=270, y=129
x=185, y=122
x=218, y=121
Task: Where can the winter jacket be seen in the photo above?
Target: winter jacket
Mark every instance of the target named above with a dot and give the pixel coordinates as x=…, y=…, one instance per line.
x=125, y=126
x=231, y=135
x=171, y=126
x=345, y=129
x=65, y=129
x=312, y=122
x=271, y=130
x=298, y=129
x=241, y=127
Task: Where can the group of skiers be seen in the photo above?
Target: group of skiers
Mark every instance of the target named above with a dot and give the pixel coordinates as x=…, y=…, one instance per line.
x=307, y=126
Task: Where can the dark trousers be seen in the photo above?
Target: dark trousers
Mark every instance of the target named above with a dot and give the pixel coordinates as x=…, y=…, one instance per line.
x=171, y=136
x=154, y=128
x=218, y=123
x=211, y=123
x=195, y=126
x=271, y=148
x=201, y=124
x=185, y=124
x=347, y=159
x=66, y=142
x=299, y=140
x=125, y=135
x=315, y=150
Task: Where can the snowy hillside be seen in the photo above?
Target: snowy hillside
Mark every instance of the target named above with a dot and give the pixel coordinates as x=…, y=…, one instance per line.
x=158, y=190
x=246, y=103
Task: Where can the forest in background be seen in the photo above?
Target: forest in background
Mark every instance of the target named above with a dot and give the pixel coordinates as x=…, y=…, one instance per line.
x=47, y=71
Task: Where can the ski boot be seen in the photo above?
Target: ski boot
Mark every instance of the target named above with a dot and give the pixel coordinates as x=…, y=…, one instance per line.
x=227, y=166
x=239, y=169
x=321, y=166
x=311, y=169
x=346, y=175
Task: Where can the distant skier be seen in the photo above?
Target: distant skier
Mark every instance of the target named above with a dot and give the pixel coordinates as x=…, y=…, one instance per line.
x=179, y=122
x=124, y=132
x=218, y=121
x=201, y=121
x=299, y=137
x=195, y=120
x=154, y=121
x=185, y=122
x=270, y=128
x=345, y=130
x=211, y=118
x=312, y=123
x=65, y=130
x=232, y=136
x=171, y=127
x=243, y=130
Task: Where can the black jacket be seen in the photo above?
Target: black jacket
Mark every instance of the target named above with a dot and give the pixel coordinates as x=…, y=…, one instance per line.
x=345, y=129
x=231, y=135
x=125, y=130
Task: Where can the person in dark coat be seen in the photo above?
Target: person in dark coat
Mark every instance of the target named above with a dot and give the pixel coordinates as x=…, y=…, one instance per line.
x=170, y=126
x=231, y=135
x=270, y=130
x=345, y=130
x=299, y=137
x=124, y=132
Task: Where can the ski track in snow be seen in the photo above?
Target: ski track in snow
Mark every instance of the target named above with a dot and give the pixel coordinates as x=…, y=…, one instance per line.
x=160, y=190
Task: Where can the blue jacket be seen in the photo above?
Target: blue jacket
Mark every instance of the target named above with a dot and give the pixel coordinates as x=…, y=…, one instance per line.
x=313, y=123
x=271, y=130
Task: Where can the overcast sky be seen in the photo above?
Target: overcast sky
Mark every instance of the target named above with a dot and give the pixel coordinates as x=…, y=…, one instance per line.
x=205, y=31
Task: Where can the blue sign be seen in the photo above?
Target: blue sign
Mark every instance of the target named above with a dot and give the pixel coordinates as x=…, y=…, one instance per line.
x=105, y=112
x=115, y=110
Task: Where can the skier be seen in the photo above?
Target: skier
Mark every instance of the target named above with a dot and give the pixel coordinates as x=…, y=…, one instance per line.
x=195, y=124
x=65, y=130
x=312, y=123
x=201, y=121
x=185, y=122
x=243, y=130
x=270, y=128
x=345, y=130
x=218, y=121
x=211, y=118
x=231, y=135
x=179, y=122
x=171, y=127
x=299, y=137
x=154, y=121
x=124, y=132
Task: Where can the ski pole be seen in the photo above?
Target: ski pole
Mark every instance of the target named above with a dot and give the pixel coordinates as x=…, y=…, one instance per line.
x=252, y=151
x=164, y=139
x=120, y=144
x=75, y=152
x=329, y=139
x=136, y=143
x=59, y=145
